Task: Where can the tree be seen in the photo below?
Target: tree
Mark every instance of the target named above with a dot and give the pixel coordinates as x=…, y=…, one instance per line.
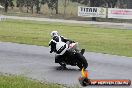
x=38, y=5
x=2, y=2
x=6, y=4
x=122, y=4
x=111, y=3
x=56, y=7
x=52, y=4
x=20, y=4
x=29, y=4
x=65, y=4
x=129, y=4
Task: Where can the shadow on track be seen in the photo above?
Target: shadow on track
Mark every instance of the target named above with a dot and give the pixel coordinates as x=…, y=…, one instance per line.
x=59, y=68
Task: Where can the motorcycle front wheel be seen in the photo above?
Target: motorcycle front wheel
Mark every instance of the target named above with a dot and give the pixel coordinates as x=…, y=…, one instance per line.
x=82, y=62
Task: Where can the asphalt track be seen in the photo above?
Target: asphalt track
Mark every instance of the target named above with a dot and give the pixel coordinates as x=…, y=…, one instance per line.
x=36, y=62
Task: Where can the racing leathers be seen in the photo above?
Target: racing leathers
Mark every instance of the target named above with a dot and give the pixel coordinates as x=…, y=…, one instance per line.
x=59, y=45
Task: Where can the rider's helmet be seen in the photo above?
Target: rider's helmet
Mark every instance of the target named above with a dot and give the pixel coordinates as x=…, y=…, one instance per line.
x=54, y=33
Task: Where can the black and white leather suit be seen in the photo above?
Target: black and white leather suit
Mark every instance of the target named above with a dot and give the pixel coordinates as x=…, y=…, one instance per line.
x=59, y=44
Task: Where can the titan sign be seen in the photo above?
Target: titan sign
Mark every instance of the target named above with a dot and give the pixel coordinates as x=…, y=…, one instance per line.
x=92, y=12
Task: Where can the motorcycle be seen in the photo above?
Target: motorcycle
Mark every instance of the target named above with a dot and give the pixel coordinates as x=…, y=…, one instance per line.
x=72, y=57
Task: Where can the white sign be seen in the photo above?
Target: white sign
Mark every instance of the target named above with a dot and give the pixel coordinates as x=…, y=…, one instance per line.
x=120, y=13
x=91, y=11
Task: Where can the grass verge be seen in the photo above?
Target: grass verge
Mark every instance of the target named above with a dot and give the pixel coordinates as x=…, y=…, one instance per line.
x=103, y=40
x=22, y=82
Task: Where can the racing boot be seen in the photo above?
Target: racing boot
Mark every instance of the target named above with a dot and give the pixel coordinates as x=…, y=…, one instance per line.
x=63, y=65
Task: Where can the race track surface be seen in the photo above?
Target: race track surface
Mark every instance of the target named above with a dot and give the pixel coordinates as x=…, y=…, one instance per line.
x=36, y=62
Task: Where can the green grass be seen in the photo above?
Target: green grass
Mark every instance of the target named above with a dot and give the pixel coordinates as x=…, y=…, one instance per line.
x=95, y=39
x=22, y=82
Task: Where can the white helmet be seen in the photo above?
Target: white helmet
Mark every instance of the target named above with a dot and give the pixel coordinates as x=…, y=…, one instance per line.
x=54, y=33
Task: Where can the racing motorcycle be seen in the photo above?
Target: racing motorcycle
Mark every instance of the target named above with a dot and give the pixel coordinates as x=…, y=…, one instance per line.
x=73, y=56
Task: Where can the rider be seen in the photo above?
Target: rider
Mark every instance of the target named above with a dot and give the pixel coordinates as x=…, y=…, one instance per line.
x=58, y=43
